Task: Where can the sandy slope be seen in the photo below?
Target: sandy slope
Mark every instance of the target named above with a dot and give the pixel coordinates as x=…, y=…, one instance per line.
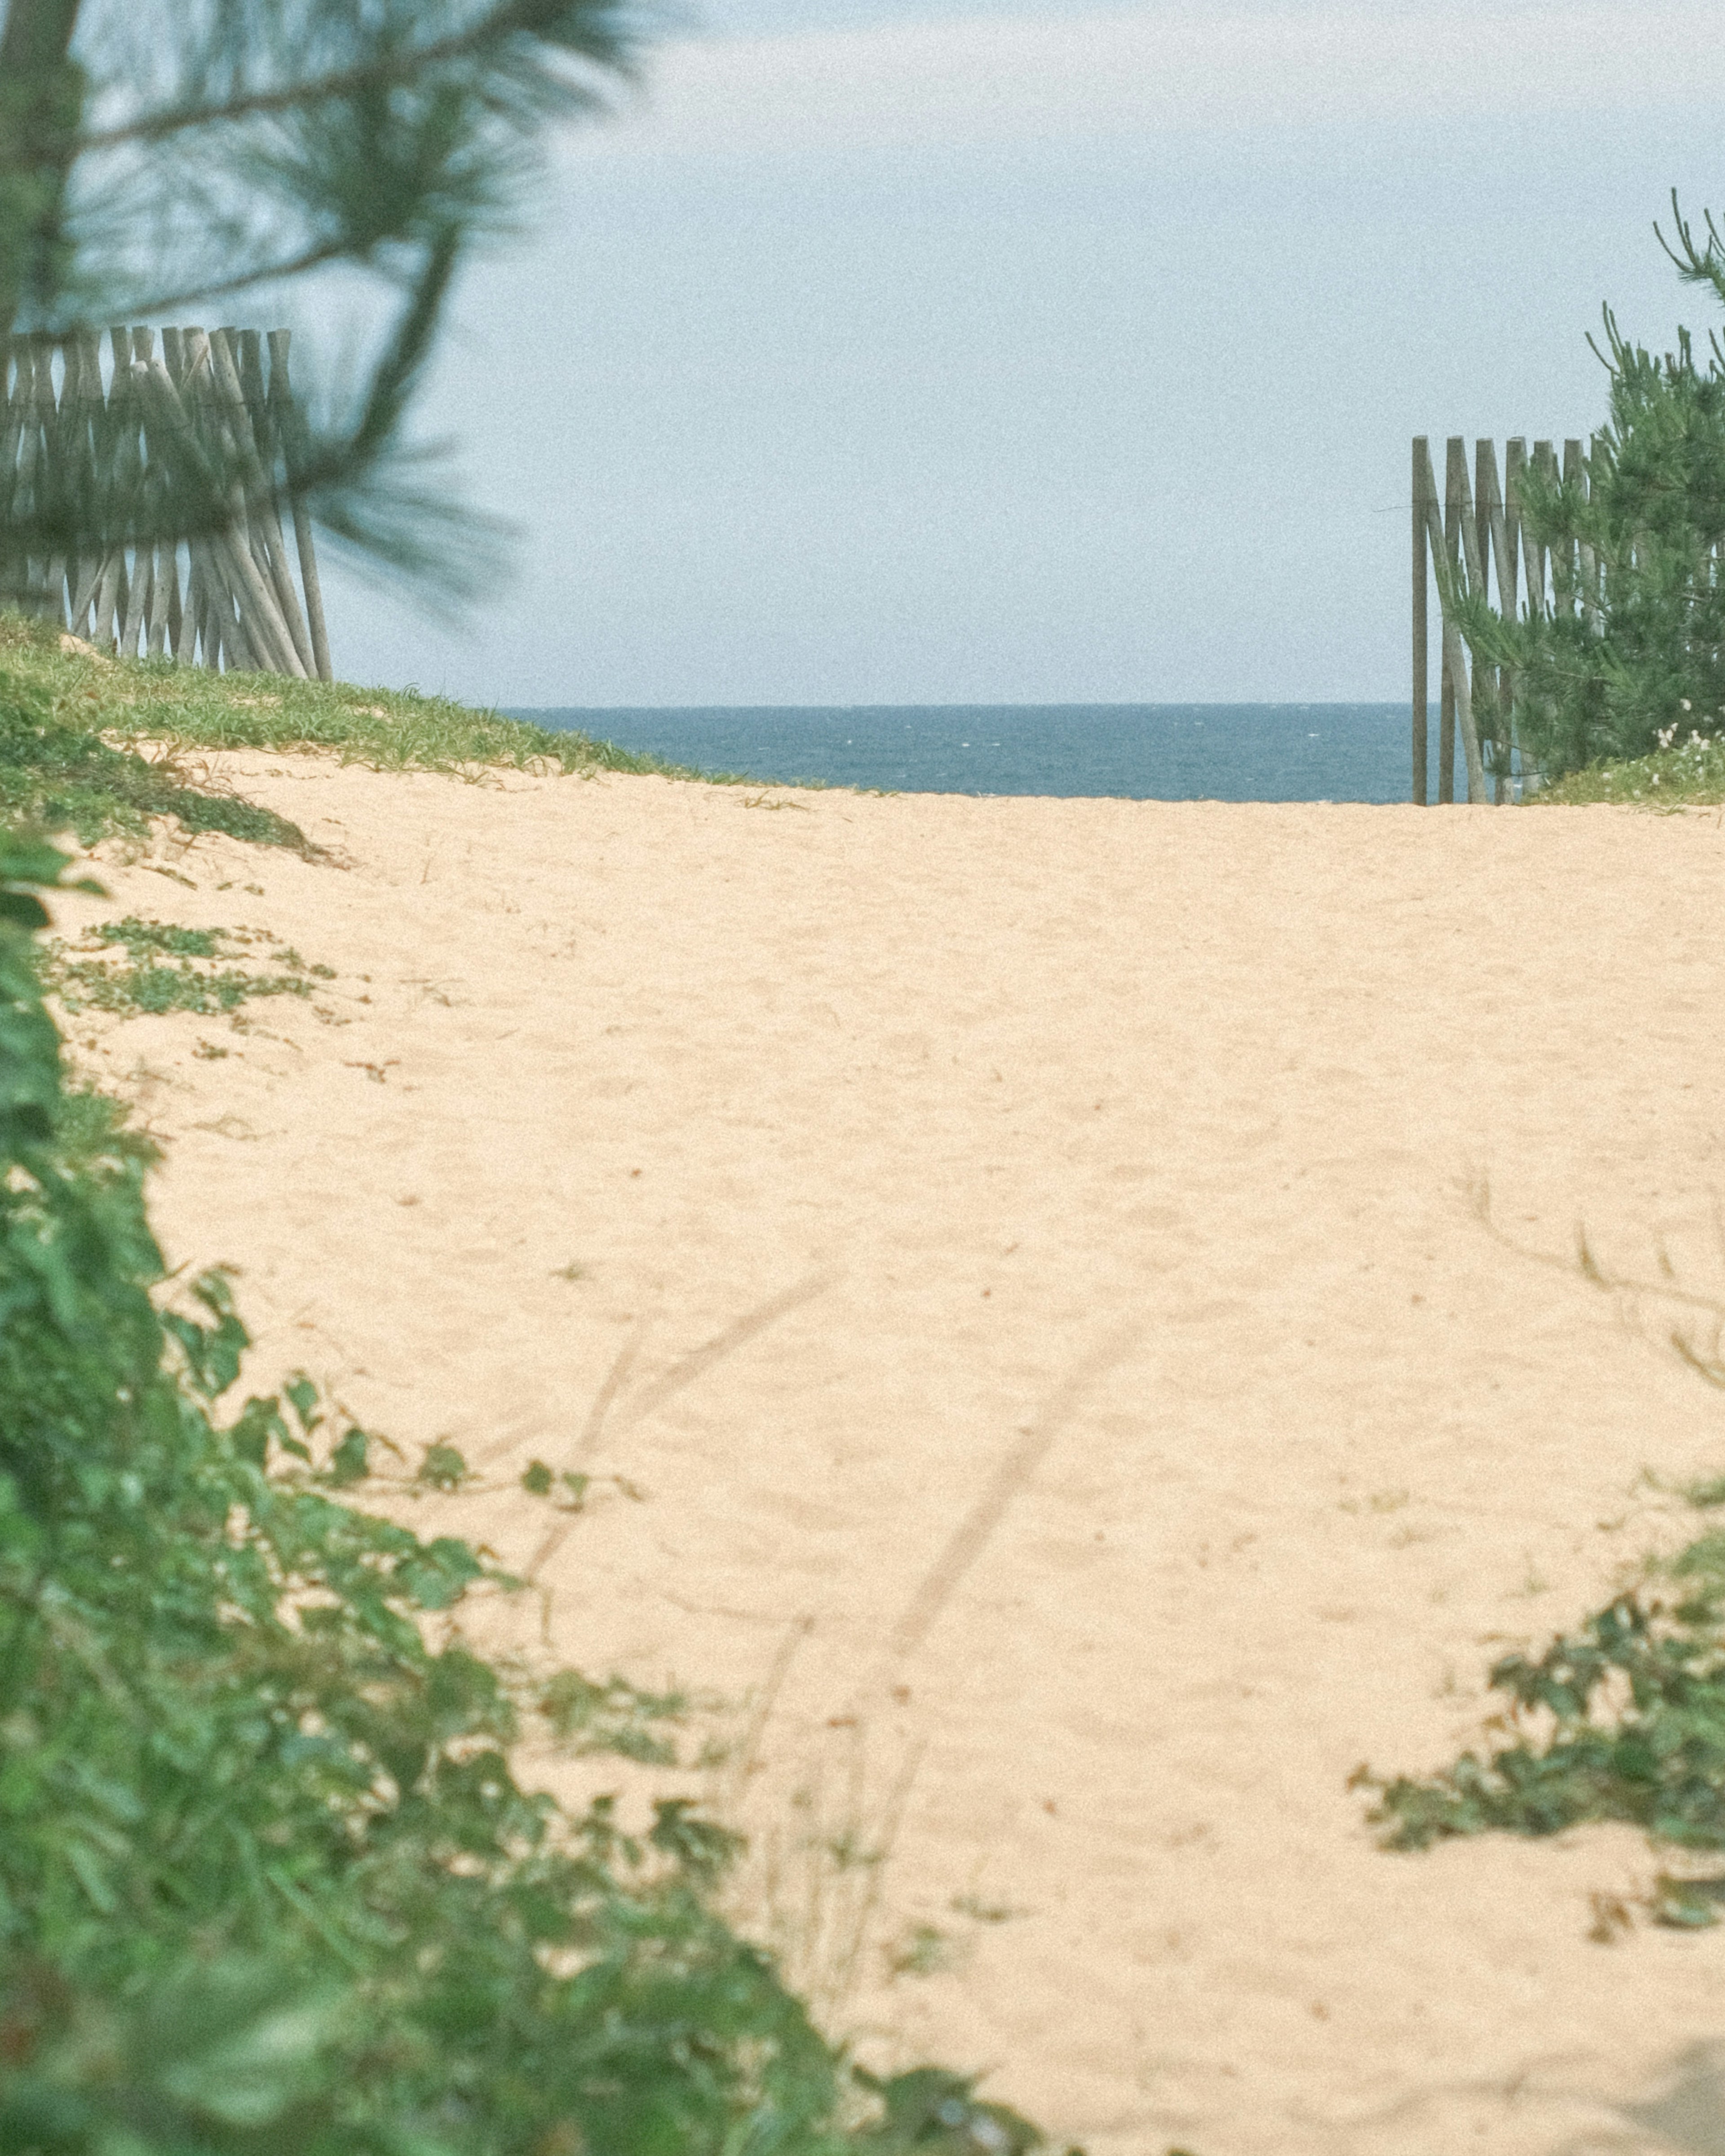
x=1029, y=1262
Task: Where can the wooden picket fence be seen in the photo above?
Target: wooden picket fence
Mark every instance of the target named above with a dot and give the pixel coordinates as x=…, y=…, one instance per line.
x=1477, y=531
x=113, y=444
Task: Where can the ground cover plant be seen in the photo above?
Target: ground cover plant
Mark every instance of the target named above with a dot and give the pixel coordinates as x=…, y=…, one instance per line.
x=136, y=967
x=1685, y=772
x=1622, y=1719
x=268, y=1880
x=72, y=724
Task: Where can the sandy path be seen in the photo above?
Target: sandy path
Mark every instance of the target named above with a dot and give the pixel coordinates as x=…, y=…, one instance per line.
x=1099, y=1175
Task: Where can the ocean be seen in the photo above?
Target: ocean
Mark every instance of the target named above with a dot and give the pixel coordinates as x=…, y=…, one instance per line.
x=1132, y=752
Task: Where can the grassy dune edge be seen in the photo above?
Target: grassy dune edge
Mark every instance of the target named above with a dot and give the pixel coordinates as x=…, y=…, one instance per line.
x=268, y=1882
x=97, y=745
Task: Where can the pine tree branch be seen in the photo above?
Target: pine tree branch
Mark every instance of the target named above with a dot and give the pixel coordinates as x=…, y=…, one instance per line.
x=508, y=19
x=155, y=303
x=41, y=104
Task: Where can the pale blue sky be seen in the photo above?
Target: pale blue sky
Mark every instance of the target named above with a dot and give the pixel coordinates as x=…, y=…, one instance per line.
x=889, y=355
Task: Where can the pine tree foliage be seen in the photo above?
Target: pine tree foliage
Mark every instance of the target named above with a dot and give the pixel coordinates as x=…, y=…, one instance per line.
x=1629, y=656
x=158, y=157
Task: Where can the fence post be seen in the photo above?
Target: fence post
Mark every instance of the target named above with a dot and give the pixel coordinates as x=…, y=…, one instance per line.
x=1495, y=540
x=1586, y=568
x=287, y=428
x=1521, y=565
x=1422, y=656
x=67, y=440
x=1461, y=548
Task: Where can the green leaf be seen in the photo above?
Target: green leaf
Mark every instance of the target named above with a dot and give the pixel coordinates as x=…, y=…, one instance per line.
x=258, y=1422
x=238, y=2045
x=442, y=1468
x=302, y=1397
x=91, y=1876
x=348, y=1460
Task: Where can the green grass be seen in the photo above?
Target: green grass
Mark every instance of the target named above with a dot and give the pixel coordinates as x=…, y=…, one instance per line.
x=93, y=1135
x=125, y=702
x=139, y=968
x=100, y=747
x=56, y=771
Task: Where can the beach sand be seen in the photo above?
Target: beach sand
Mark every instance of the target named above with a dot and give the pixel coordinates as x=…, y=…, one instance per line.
x=1027, y=1264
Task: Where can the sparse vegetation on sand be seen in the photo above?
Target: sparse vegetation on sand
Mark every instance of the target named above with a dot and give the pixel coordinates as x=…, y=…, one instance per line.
x=1622, y=1719
x=268, y=1885
x=136, y=967
x=100, y=746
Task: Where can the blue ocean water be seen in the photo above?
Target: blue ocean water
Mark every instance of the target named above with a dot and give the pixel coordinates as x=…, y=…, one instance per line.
x=1135, y=751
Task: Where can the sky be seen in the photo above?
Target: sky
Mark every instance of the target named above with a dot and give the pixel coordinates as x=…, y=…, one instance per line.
x=880, y=352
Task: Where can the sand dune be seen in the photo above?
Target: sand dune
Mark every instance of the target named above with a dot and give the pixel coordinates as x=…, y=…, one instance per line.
x=1028, y=1256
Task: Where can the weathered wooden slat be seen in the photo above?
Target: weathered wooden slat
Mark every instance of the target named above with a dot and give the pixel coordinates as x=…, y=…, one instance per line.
x=81, y=401
x=1494, y=544
x=156, y=556
x=137, y=598
x=14, y=500
x=164, y=596
x=13, y=363
x=233, y=575
x=1442, y=550
x=78, y=458
x=249, y=354
x=249, y=625
x=173, y=611
x=205, y=593
x=95, y=453
x=1545, y=462
x=1515, y=463
x=1446, y=724
x=242, y=348
x=31, y=452
x=1460, y=533
x=27, y=568
x=260, y=497
x=290, y=432
x=1581, y=558
x=223, y=352
x=54, y=503
x=1422, y=656
x=1460, y=548
x=117, y=476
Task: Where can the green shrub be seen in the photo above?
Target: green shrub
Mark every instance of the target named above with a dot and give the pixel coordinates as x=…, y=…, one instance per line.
x=1622, y=1720
x=1631, y=656
x=268, y=1884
